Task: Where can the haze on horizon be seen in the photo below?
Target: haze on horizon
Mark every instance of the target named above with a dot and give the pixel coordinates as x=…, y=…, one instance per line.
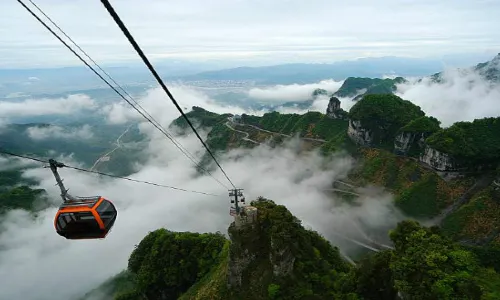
x=281, y=31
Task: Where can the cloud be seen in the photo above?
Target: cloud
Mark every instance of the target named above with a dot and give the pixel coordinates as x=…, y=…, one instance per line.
x=57, y=132
x=293, y=92
x=160, y=107
x=47, y=106
x=16, y=95
x=34, y=260
x=301, y=31
x=464, y=96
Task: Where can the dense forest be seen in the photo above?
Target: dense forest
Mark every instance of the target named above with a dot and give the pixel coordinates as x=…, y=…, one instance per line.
x=353, y=86
x=17, y=192
x=473, y=143
x=424, y=264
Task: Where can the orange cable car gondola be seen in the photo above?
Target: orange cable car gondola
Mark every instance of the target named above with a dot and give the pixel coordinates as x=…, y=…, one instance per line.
x=82, y=218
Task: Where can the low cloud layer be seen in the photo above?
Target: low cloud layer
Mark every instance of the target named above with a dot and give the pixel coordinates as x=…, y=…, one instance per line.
x=293, y=92
x=33, y=252
x=57, y=132
x=34, y=260
x=46, y=106
x=461, y=97
x=160, y=107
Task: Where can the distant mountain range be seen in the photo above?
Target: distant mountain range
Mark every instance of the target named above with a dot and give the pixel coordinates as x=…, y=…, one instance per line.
x=489, y=70
x=306, y=73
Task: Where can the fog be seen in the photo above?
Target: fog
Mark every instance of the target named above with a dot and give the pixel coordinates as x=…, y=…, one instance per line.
x=42, y=133
x=463, y=96
x=293, y=92
x=47, y=106
x=35, y=261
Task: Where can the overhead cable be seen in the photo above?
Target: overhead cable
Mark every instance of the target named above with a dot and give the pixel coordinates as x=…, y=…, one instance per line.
x=139, y=51
x=150, y=119
x=108, y=175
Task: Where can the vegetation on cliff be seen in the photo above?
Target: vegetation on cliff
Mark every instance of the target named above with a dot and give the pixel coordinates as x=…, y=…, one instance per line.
x=165, y=264
x=386, y=111
x=354, y=85
x=384, y=116
x=472, y=143
x=276, y=258
x=423, y=124
x=200, y=118
x=423, y=265
x=418, y=191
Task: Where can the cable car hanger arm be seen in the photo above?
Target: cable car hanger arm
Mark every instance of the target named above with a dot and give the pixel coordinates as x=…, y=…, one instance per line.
x=64, y=192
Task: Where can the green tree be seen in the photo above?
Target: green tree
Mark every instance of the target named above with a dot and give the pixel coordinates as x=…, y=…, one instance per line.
x=430, y=266
x=374, y=277
x=167, y=263
x=384, y=115
x=273, y=291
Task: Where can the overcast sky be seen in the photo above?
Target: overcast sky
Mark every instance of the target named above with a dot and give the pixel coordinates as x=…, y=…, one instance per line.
x=258, y=30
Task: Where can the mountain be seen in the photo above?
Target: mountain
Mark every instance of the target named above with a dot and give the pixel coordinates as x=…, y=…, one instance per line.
x=357, y=87
x=17, y=192
x=87, y=143
x=489, y=71
x=397, y=146
x=271, y=256
x=307, y=73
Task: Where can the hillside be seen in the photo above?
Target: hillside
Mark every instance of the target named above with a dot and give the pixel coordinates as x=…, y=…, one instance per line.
x=17, y=192
x=359, y=87
x=399, y=157
x=271, y=256
x=87, y=143
x=489, y=71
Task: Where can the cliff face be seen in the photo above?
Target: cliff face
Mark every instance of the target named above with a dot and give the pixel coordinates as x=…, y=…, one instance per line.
x=271, y=256
x=359, y=134
x=438, y=160
x=407, y=141
x=377, y=119
x=334, y=111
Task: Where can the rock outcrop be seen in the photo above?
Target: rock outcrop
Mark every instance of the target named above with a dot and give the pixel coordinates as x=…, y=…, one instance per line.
x=438, y=160
x=271, y=248
x=496, y=189
x=407, y=141
x=250, y=246
x=359, y=134
x=334, y=111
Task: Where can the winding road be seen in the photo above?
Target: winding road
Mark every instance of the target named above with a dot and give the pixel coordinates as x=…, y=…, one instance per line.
x=271, y=132
x=245, y=133
x=118, y=145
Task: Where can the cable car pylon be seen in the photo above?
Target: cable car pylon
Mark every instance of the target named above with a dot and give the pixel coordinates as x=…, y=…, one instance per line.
x=236, y=197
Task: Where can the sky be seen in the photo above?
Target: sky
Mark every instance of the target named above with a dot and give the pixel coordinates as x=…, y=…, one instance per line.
x=257, y=31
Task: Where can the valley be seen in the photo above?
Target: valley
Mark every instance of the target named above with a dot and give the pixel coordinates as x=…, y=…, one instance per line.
x=441, y=184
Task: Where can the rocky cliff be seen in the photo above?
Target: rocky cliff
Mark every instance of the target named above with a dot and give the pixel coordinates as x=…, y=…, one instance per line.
x=404, y=140
x=411, y=137
x=376, y=119
x=271, y=256
x=438, y=160
x=359, y=134
x=334, y=111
